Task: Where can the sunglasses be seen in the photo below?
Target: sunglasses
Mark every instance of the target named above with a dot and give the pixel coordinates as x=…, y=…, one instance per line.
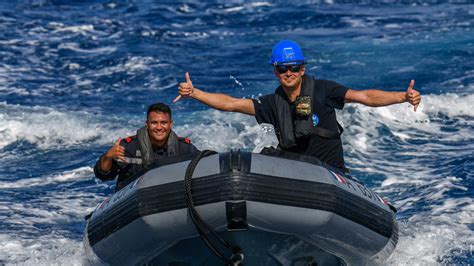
x=283, y=69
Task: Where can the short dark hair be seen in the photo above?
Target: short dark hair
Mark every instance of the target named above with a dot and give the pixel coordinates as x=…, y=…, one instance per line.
x=158, y=107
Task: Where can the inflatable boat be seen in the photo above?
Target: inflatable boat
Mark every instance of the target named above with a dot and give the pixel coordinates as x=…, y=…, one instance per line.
x=241, y=208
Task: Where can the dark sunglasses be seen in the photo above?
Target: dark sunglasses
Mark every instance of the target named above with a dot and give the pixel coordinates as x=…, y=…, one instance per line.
x=293, y=68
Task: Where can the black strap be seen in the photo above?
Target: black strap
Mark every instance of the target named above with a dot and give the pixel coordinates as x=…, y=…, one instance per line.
x=325, y=133
x=205, y=230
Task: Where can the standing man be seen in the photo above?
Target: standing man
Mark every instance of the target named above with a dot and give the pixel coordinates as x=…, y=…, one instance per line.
x=152, y=142
x=302, y=109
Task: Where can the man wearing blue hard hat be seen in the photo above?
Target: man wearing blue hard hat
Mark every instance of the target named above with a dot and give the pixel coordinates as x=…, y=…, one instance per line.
x=302, y=109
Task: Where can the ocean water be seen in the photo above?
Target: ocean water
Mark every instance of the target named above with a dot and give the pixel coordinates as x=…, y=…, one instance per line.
x=76, y=75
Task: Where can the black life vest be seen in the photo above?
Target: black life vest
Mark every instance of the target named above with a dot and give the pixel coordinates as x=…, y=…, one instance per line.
x=290, y=130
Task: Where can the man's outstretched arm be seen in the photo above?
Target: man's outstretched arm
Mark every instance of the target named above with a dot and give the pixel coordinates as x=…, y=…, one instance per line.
x=217, y=101
x=377, y=98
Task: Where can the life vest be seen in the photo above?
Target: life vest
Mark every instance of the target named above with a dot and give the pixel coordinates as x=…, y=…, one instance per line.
x=290, y=130
x=146, y=149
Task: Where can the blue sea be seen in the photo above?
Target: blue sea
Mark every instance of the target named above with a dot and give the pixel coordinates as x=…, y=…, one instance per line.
x=77, y=75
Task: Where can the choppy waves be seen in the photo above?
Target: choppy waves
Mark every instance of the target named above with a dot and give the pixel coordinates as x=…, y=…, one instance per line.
x=421, y=162
x=47, y=128
x=435, y=208
x=75, y=76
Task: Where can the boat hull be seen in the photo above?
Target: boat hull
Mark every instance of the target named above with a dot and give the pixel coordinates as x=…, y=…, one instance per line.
x=279, y=211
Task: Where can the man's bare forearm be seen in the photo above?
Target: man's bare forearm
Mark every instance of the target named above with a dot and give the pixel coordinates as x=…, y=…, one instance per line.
x=378, y=98
x=218, y=101
x=224, y=102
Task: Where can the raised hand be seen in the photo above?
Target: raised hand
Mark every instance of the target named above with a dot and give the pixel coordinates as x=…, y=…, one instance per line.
x=117, y=152
x=413, y=96
x=185, y=89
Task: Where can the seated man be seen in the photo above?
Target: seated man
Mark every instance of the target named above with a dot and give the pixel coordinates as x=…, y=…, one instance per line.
x=152, y=142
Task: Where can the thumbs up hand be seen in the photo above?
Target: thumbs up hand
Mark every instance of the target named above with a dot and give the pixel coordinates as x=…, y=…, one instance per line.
x=117, y=152
x=413, y=96
x=185, y=89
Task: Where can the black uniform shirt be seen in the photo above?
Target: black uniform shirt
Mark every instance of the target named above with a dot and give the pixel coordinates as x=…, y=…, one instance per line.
x=327, y=96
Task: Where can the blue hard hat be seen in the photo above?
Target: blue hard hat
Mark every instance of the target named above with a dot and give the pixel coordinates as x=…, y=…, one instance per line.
x=286, y=53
